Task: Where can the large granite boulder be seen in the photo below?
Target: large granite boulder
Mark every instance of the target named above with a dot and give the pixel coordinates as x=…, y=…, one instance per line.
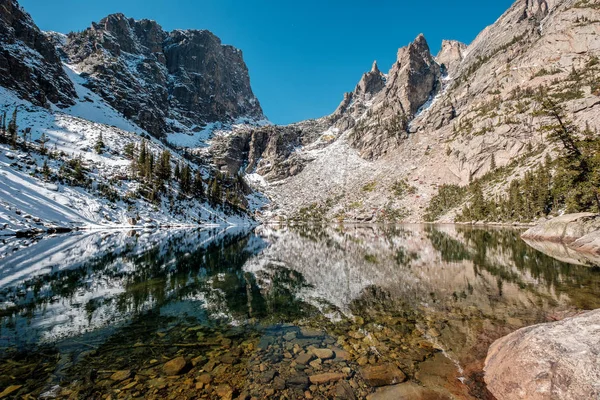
x=565, y=229
x=559, y=360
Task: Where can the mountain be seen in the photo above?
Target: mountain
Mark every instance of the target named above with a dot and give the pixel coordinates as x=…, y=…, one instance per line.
x=468, y=134
x=92, y=125
x=470, y=114
x=164, y=81
x=29, y=64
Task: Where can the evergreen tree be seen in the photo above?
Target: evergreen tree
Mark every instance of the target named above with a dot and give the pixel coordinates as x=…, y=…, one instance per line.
x=215, y=192
x=177, y=173
x=99, y=146
x=46, y=170
x=493, y=162
x=186, y=179
x=163, y=168
x=142, y=159
x=12, y=130
x=198, y=185
x=43, y=140
x=149, y=167
x=3, y=127
x=129, y=151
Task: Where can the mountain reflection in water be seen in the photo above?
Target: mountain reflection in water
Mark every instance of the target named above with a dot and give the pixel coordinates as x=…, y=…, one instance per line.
x=429, y=299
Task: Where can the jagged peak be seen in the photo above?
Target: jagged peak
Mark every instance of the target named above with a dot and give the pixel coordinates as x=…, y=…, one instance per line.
x=375, y=68
x=419, y=46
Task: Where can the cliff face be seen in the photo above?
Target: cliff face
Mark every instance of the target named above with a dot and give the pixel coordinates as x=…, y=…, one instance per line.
x=29, y=64
x=164, y=81
x=449, y=118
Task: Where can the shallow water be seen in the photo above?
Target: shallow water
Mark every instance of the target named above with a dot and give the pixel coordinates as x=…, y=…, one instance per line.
x=97, y=314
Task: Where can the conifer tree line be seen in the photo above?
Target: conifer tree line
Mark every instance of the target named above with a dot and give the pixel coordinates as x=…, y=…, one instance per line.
x=570, y=183
x=9, y=129
x=157, y=173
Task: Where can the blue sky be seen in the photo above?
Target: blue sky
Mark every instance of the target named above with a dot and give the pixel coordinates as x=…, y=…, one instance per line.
x=302, y=55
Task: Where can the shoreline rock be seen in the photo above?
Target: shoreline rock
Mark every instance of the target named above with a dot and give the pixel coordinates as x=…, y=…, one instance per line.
x=564, y=229
x=557, y=360
x=572, y=238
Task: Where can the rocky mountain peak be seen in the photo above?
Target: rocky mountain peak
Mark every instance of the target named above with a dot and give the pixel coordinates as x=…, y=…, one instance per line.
x=375, y=68
x=164, y=81
x=29, y=63
x=414, y=77
x=451, y=55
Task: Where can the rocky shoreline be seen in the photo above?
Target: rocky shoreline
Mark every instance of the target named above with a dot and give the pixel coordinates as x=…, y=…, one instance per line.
x=573, y=238
x=553, y=360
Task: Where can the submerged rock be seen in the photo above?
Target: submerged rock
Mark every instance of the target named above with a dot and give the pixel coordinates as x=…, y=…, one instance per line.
x=547, y=361
x=382, y=375
x=175, y=366
x=407, y=391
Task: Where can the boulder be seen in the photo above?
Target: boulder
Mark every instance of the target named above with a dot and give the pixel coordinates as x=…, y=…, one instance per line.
x=564, y=229
x=382, y=375
x=558, y=360
x=323, y=354
x=121, y=375
x=407, y=391
x=328, y=377
x=175, y=367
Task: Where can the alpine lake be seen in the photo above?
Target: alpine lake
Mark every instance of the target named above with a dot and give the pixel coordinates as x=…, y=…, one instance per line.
x=318, y=312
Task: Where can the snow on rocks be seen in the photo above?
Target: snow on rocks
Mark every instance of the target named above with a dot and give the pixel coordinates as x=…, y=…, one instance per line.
x=71, y=134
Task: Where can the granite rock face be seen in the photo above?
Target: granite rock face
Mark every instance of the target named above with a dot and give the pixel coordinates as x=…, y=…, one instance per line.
x=449, y=119
x=451, y=55
x=164, y=81
x=548, y=361
x=381, y=107
x=29, y=63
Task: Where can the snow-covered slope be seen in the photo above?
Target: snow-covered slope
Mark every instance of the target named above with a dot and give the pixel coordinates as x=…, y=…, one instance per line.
x=30, y=202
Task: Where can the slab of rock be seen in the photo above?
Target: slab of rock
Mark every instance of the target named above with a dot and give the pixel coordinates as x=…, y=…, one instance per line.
x=382, y=375
x=564, y=229
x=225, y=392
x=328, y=377
x=175, y=367
x=323, y=354
x=121, y=375
x=407, y=391
x=298, y=381
x=558, y=360
x=304, y=358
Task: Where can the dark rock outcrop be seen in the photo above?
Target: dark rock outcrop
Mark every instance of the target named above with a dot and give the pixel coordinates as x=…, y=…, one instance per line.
x=164, y=81
x=29, y=63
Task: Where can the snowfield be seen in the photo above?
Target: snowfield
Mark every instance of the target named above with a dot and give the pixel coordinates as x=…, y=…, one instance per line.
x=29, y=203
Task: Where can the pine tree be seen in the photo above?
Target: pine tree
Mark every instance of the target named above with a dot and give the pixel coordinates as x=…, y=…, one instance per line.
x=99, y=146
x=149, y=166
x=12, y=130
x=43, y=140
x=46, y=170
x=163, y=168
x=142, y=159
x=26, y=132
x=186, y=179
x=215, y=192
x=493, y=162
x=198, y=185
x=177, y=173
x=129, y=151
x=3, y=126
